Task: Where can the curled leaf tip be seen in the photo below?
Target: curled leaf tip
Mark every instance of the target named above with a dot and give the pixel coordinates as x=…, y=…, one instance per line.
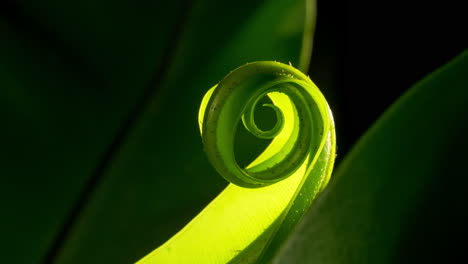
x=246, y=223
x=298, y=135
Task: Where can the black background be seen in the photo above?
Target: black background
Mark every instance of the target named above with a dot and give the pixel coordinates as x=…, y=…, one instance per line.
x=367, y=53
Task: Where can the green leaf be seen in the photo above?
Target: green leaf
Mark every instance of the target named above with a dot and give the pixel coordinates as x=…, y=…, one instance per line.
x=245, y=225
x=103, y=157
x=69, y=80
x=398, y=197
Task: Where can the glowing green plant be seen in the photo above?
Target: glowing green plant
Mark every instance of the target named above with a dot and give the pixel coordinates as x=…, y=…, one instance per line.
x=251, y=218
x=102, y=162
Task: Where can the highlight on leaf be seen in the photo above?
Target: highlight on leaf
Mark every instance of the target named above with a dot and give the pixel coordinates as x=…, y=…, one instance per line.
x=250, y=220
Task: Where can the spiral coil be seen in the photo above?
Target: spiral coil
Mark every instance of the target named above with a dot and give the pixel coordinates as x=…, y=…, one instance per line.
x=298, y=135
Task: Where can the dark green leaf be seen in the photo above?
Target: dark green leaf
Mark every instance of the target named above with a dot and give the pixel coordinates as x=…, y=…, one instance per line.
x=101, y=144
x=70, y=75
x=398, y=197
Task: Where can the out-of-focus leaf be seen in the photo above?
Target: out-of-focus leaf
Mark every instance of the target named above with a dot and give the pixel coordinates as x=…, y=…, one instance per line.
x=160, y=177
x=70, y=75
x=399, y=197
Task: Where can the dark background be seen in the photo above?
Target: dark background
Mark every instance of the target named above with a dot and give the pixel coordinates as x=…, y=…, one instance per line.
x=366, y=54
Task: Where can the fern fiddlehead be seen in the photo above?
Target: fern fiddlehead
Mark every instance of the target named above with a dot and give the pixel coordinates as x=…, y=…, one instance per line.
x=251, y=218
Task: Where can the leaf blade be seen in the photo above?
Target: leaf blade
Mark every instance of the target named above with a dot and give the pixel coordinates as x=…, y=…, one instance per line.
x=368, y=213
x=62, y=114
x=260, y=36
